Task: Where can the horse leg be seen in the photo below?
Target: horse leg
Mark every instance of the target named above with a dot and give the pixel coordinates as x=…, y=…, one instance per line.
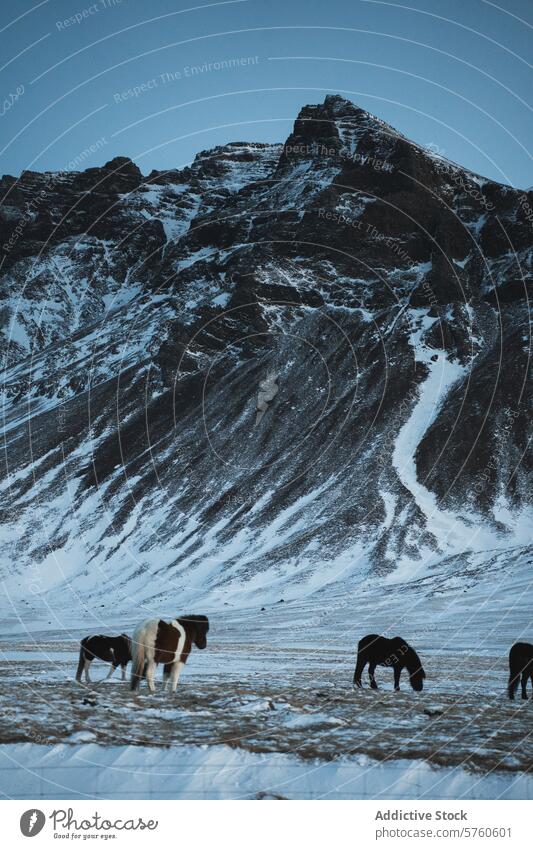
x=397, y=673
x=513, y=684
x=109, y=674
x=81, y=665
x=371, y=670
x=177, y=666
x=523, y=682
x=150, y=674
x=359, y=667
x=87, y=667
x=166, y=674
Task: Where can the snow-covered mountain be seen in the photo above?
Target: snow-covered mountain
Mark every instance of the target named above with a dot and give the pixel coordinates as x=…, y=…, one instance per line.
x=385, y=287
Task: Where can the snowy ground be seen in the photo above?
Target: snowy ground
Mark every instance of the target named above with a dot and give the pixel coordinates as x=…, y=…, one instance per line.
x=222, y=772
x=268, y=707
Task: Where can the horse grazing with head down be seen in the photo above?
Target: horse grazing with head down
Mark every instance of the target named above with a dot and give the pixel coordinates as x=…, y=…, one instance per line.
x=380, y=651
x=170, y=643
x=113, y=650
x=520, y=664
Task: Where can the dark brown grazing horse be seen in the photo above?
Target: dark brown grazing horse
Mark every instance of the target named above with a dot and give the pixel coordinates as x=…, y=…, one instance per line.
x=113, y=650
x=156, y=641
x=520, y=664
x=380, y=651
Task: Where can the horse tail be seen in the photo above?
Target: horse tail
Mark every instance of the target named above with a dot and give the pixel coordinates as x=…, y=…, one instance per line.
x=514, y=670
x=358, y=671
x=362, y=657
x=138, y=656
x=81, y=662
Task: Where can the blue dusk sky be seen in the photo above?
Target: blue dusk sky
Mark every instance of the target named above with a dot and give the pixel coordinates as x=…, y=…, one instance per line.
x=83, y=82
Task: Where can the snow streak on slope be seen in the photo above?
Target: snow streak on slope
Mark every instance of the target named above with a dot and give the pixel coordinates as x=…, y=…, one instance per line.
x=451, y=533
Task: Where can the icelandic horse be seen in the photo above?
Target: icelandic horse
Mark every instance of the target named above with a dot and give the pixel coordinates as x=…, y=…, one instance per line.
x=156, y=641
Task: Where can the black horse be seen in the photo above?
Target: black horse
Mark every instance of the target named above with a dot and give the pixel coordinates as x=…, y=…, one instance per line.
x=113, y=650
x=520, y=664
x=380, y=651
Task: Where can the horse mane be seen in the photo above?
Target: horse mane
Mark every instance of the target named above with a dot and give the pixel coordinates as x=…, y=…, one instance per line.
x=412, y=661
x=198, y=621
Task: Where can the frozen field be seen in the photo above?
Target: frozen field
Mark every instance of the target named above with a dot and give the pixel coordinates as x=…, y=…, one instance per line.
x=268, y=708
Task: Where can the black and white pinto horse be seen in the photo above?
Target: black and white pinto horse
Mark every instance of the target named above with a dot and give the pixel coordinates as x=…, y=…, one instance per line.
x=380, y=651
x=113, y=650
x=156, y=641
x=520, y=667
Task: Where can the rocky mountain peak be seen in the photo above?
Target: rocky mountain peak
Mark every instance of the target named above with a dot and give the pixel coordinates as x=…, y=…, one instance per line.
x=335, y=128
x=383, y=287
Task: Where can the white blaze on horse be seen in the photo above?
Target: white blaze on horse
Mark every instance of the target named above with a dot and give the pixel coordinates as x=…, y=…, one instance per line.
x=113, y=650
x=156, y=641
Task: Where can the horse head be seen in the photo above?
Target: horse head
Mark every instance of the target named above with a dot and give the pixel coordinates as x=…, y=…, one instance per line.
x=198, y=626
x=417, y=680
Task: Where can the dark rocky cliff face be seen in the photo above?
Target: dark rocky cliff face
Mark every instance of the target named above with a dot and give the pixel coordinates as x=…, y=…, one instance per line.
x=385, y=287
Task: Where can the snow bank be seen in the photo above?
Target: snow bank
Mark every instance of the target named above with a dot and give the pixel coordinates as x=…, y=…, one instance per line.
x=32, y=771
